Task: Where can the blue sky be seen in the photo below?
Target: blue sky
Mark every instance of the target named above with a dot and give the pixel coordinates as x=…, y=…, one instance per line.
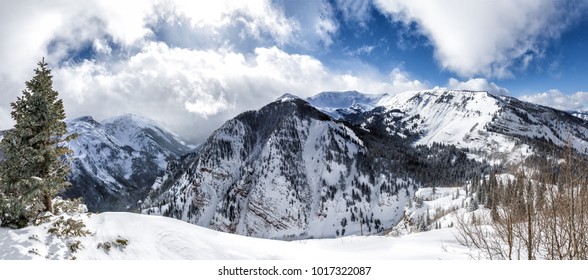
x=191, y=65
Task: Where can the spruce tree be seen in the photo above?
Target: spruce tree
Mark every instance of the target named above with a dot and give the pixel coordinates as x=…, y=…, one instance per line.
x=34, y=168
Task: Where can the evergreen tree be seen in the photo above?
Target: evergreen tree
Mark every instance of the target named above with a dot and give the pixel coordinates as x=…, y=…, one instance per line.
x=33, y=170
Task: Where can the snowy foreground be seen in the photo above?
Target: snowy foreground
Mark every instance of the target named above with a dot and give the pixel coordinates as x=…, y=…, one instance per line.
x=153, y=237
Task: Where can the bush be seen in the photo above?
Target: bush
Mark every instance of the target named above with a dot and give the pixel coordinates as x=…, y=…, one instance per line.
x=119, y=243
x=74, y=246
x=68, y=228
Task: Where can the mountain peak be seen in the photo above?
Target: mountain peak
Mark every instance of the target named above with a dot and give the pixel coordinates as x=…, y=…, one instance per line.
x=287, y=97
x=84, y=119
x=114, y=163
x=131, y=118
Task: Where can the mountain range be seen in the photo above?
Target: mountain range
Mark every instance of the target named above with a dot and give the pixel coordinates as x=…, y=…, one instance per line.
x=347, y=163
x=115, y=161
x=335, y=164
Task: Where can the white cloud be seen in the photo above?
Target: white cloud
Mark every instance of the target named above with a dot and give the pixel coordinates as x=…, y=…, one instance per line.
x=477, y=84
x=556, y=99
x=193, y=92
x=363, y=50
x=32, y=29
x=101, y=47
x=53, y=29
x=355, y=10
x=186, y=65
x=314, y=23
x=401, y=82
x=485, y=37
x=234, y=24
x=326, y=26
x=224, y=64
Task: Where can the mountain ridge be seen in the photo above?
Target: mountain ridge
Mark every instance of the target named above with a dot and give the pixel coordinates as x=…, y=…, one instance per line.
x=286, y=152
x=291, y=170
x=115, y=162
x=296, y=170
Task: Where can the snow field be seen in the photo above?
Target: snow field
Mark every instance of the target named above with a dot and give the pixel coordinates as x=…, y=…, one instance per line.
x=154, y=238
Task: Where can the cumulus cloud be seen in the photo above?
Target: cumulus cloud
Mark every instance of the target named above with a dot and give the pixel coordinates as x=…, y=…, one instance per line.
x=240, y=25
x=193, y=91
x=363, y=50
x=55, y=29
x=314, y=21
x=477, y=84
x=401, y=82
x=190, y=68
x=355, y=10
x=487, y=38
x=556, y=99
x=29, y=27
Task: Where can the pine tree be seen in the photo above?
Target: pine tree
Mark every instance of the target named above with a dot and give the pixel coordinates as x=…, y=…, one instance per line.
x=34, y=170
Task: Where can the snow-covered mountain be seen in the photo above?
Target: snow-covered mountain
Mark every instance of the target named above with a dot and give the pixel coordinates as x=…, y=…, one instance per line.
x=583, y=114
x=340, y=104
x=497, y=127
x=285, y=171
x=115, y=161
x=288, y=171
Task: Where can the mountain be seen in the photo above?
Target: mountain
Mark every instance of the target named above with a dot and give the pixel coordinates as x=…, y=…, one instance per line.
x=500, y=128
x=340, y=104
x=289, y=171
x=583, y=114
x=115, y=161
x=286, y=171
x=348, y=163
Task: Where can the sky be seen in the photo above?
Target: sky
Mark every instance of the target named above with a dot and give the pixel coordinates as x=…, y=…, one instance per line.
x=192, y=65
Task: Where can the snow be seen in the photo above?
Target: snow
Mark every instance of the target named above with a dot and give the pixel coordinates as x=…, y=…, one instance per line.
x=130, y=130
x=582, y=114
x=487, y=125
x=154, y=237
x=450, y=117
x=347, y=99
x=157, y=237
x=294, y=183
x=287, y=97
x=440, y=116
x=95, y=145
x=333, y=103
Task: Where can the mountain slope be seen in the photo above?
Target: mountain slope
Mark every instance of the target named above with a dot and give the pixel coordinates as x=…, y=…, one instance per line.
x=497, y=128
x=285, y=171
x=115, y=162
x=582, y=114
x=165, y=238
x=289, y=171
